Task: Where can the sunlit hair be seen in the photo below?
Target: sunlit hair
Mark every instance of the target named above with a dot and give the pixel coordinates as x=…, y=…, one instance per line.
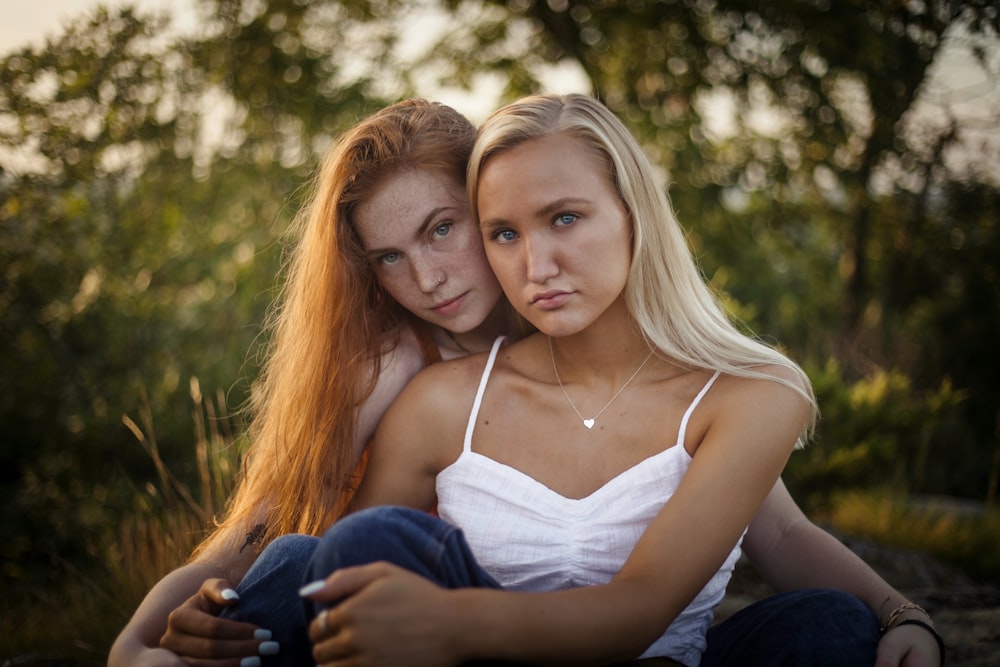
x=329, y=329
x=666, y=293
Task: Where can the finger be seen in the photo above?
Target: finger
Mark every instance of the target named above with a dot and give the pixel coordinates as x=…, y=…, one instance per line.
x=345, y=582
x=219, y=592
x=320, y=628
x=212, y=638
x=193, y=649
x=252, y=661
x=194, y=622
x=334, y=650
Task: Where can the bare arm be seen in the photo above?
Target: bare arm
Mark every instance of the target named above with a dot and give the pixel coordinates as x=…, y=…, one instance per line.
x=791, y=552
x=139, y=641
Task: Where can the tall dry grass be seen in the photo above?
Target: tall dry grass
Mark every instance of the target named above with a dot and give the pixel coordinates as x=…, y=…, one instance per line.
x=964, y=535
x=76, y=619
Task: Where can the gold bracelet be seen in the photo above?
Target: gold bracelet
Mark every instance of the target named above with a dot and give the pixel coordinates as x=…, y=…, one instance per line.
x=891, y=622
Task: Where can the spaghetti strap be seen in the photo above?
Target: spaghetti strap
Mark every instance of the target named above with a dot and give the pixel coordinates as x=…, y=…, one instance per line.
x=682, y=431
x=467, y=445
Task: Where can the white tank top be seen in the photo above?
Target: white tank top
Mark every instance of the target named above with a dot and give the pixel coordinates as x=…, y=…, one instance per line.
x=530, y=538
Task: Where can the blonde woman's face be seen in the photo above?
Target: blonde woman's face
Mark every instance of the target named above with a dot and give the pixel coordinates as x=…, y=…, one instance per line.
x=427, y=253
x=556, y=233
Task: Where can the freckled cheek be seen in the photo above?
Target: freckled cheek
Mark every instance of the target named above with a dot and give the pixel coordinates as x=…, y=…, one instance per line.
x=399, y=288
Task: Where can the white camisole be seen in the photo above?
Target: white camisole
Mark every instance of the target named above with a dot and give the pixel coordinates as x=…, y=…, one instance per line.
x=530, y=538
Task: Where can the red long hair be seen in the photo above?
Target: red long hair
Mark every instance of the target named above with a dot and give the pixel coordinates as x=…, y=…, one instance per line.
x=329, y=329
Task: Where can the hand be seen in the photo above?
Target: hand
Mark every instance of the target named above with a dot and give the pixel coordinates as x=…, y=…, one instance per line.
x=908, y=646
x=202, y=639
x=387, y=616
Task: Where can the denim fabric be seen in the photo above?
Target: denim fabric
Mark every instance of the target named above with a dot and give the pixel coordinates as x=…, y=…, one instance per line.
x=814, y=628
x=269, y=598
x=411, y=539
x=408, y=538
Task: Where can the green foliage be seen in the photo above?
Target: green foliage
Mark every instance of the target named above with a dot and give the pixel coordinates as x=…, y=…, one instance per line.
x=876, y=431
x=964, y=536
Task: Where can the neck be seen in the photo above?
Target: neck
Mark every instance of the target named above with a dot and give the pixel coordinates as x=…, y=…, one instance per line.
x=481, y=338
x=608, y=349
x=581, y=362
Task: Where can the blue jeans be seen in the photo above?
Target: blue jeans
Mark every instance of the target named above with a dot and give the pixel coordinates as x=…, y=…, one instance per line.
x=818, y=628
x=269, y=598
x=408, y=538
x=823, y=628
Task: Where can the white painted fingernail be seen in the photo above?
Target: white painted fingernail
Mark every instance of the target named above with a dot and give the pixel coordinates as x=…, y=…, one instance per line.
x=230, y=594
x=269, y=648
x=314, y=587
x=250, y=662
x=261, y=633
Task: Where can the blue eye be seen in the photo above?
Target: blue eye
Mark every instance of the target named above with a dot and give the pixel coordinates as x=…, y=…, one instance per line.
x=389, y=258
x=442, y=230
x=565, y=219
x=503, y=235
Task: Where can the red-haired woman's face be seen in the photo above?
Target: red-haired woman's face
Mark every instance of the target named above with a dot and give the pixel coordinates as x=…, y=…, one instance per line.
x=427, y=253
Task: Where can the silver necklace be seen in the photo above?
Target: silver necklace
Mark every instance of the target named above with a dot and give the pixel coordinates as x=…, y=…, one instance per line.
x=589, y=423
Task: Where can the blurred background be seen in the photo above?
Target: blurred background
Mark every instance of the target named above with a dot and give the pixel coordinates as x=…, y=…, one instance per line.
x=836, y=165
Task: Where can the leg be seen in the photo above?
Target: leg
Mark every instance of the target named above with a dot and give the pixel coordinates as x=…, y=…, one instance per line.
x=269, y=597
x=818, y=628
x=411, y=539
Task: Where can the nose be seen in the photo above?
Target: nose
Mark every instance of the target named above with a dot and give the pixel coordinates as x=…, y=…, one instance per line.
x=426, y=274
x=540, y=262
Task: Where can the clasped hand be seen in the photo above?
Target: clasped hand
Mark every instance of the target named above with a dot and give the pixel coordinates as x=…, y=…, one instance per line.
x=385, y=616
x=199, y=637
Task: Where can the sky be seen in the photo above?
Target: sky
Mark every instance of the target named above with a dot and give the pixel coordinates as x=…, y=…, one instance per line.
x=30, y=22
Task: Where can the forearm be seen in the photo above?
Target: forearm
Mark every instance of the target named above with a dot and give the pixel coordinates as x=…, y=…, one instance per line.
x=149, y=622
x=594, y=625
x=809, y=557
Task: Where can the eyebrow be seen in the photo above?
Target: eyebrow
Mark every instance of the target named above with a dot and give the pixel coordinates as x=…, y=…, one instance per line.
x=420, y=231
x=560, y=203
x=541, y=212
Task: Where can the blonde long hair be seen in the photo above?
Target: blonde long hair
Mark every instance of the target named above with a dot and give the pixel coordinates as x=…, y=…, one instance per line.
x=329, y=329
x=666, y=293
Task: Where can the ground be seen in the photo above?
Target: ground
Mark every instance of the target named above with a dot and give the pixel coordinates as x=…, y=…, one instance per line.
x=966, y=613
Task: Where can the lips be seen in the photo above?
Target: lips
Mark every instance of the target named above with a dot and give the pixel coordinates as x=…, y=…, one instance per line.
x=449, y=307
x=550, y=299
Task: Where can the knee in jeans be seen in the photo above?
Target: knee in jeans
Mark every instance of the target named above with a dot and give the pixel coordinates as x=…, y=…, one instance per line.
x=377, y=533
x=287, y=551
x=371, y=524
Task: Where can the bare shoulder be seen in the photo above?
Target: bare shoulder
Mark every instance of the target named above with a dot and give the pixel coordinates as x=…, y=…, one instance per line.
x=772, y=409
x=772, y=382
x=453, y=378
x=439, y=399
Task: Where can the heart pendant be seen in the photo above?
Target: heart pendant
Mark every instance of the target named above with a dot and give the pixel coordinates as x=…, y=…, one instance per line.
x=589, y=423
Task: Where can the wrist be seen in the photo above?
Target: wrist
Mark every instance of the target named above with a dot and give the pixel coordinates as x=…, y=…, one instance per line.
x=905, y=611
x=470, y=631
